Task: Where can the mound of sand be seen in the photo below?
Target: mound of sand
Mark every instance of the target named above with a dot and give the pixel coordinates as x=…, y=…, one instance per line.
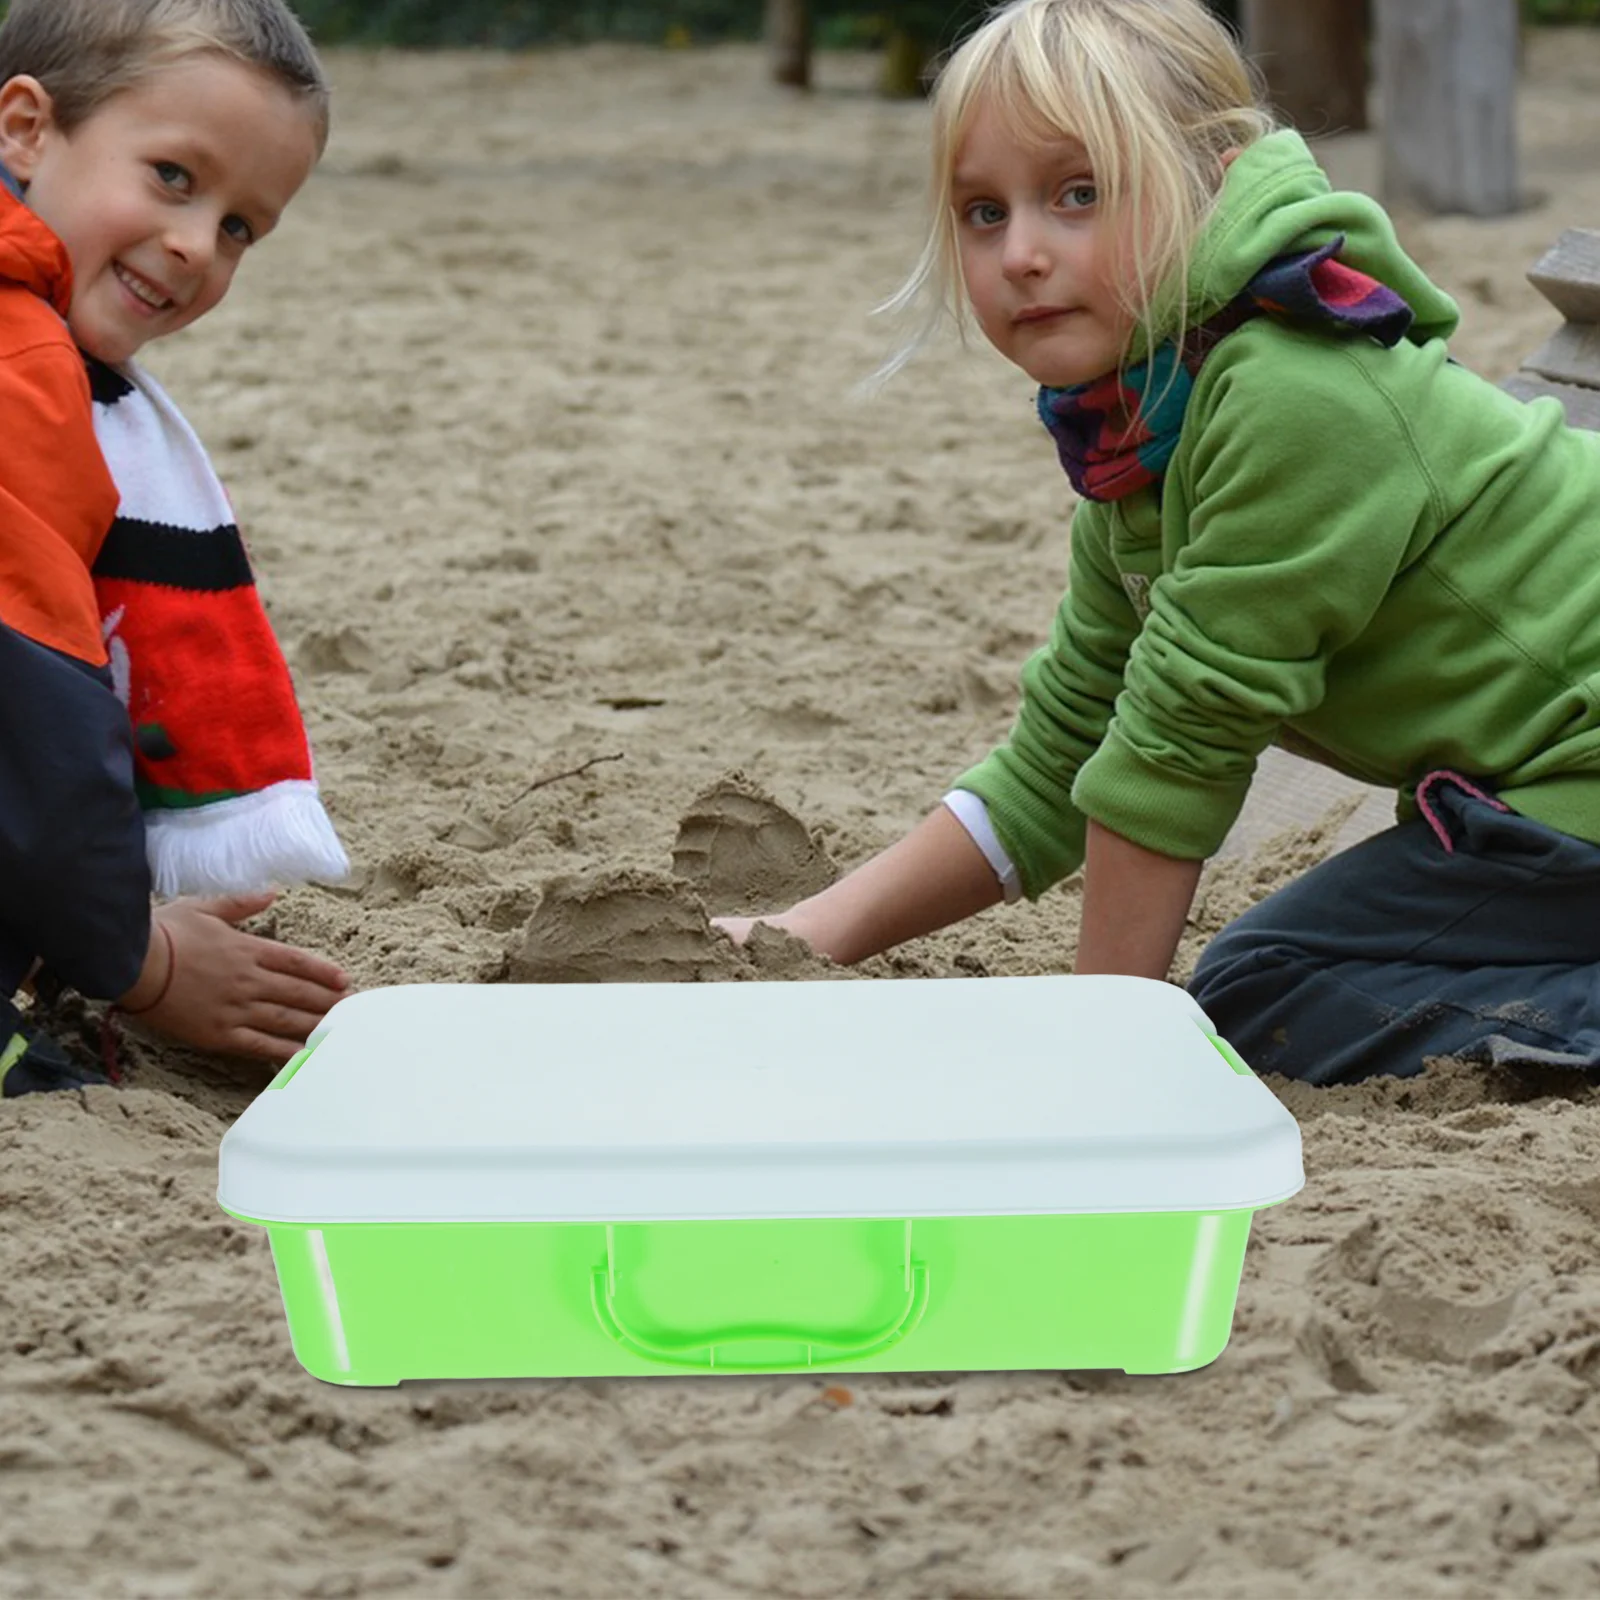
x=747, y=853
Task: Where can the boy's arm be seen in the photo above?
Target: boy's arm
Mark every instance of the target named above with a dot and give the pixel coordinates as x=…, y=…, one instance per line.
x=74, y=884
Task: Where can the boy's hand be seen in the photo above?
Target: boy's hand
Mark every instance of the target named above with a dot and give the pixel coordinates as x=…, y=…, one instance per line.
x=229, y=990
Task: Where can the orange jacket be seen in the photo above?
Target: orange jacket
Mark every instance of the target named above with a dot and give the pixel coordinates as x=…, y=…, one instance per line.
x=57, y=499
x=74, y=883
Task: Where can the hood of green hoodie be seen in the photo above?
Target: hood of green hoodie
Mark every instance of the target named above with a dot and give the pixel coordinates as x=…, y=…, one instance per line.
x=1277, y=201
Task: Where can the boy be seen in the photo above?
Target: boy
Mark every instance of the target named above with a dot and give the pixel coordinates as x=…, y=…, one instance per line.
x=146, y=146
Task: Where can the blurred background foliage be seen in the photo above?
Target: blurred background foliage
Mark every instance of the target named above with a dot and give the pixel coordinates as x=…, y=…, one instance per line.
x=837, y=24
x=840, y=24
x=1561, y=11
x=512, y=24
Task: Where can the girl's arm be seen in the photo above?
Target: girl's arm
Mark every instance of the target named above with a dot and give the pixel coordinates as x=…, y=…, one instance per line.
x=1135, y=900
x=1134, y=905
x=934, y=876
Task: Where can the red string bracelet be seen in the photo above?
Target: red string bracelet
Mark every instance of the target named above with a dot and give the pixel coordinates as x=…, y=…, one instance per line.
x=172, y=967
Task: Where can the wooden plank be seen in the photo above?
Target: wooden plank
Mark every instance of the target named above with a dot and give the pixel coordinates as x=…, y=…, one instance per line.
x=1447, y=73
x=1313, y=55
x=1568, y=275
x=1570, y=355
x=1583, y=405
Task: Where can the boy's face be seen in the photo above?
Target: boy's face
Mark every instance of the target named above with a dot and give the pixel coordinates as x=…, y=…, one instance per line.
x=159, y=192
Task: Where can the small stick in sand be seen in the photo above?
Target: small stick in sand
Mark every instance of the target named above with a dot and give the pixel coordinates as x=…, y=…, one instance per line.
x=556, y=777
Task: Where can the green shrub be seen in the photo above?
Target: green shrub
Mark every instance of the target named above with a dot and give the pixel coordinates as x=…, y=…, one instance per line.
x=1561, y=11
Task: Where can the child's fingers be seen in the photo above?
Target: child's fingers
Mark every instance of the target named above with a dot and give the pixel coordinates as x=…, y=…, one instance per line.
x=293, y=994
x=292, y=962
x=235, y=908
x=265, y=1046
x=284, y=1025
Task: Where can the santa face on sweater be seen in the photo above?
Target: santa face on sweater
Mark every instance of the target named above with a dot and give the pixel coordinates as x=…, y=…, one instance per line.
x=159, y=192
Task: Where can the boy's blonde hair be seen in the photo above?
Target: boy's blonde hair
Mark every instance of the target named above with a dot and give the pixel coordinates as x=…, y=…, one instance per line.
x=86, y=51
x=1155, y=90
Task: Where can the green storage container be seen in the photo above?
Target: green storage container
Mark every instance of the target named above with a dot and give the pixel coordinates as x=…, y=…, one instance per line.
x=632, y=1179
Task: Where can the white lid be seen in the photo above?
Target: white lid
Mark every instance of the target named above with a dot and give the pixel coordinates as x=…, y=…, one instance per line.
x=643, y=1102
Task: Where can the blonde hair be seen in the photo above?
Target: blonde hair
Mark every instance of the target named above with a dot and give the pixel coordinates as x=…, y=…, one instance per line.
x=86, y=51
x=1157, y=93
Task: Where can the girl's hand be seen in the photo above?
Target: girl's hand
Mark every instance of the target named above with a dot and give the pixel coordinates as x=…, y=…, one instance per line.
x=932, y=877
x=739, y=928
x=736, y=928
x=227, y=990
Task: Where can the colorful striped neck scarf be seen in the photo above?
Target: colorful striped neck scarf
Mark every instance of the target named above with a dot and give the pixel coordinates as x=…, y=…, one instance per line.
x=222, y=765
x=1107, y=457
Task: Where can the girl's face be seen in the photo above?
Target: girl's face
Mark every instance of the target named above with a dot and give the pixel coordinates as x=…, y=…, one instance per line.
x=1037, y=254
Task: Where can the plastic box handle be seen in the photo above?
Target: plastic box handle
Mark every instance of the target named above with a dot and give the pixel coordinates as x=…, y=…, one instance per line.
x=292, y=1066
x=758, y=1347
x=1232, y=1056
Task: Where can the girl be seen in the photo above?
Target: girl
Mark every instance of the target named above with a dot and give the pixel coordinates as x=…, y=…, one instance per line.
x=1299, y=523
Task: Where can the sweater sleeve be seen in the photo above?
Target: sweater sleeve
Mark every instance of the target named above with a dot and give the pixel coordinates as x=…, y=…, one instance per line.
x=74, y=883
x=1302, y=510
x=57, y=500
x=1069, y=687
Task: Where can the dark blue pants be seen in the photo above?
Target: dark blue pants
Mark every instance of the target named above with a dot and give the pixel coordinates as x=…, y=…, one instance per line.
x=1471, y=932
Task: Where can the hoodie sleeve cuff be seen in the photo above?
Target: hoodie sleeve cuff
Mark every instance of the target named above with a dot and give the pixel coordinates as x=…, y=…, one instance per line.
x=1173, y=813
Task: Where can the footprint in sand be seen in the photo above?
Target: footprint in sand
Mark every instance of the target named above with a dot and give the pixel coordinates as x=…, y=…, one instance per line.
x=744, y=852
x=621, y=927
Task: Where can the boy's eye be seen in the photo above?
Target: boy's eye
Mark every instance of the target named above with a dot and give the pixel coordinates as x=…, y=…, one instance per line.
x=171, y=174
x=984, y=214
x=238, y=230
x=1080, y=196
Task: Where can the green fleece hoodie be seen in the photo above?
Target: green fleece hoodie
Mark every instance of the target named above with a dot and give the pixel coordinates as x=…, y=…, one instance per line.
x=1371, y=557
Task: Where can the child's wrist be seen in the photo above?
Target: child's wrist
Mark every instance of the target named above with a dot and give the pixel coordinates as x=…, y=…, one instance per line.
x=816, y=928
x=153, y=985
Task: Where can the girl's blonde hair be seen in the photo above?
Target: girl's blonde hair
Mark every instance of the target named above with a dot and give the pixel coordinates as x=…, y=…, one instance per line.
x=86, y=51
x=1157, y=93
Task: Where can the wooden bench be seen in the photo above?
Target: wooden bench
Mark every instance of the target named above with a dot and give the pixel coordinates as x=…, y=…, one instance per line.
x=1567, y=364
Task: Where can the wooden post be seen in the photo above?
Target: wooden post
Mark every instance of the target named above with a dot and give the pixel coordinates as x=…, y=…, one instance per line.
x=1313, y=54
x=1567, y=364
x=905, y=61
x=1447, y=101
x=788, y=31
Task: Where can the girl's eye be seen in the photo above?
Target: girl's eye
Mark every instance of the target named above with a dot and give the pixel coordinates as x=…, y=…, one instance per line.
x=1080, y=196
x=985, y=214
x=238, y=230
x=174, y=176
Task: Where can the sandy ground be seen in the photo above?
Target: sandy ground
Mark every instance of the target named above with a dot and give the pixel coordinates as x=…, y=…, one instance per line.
x=538, y=413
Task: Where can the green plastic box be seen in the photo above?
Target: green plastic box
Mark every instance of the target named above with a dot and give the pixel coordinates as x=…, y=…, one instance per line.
x=633, y=1179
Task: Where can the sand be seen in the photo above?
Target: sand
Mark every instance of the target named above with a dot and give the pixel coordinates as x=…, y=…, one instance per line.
x=609, y=605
